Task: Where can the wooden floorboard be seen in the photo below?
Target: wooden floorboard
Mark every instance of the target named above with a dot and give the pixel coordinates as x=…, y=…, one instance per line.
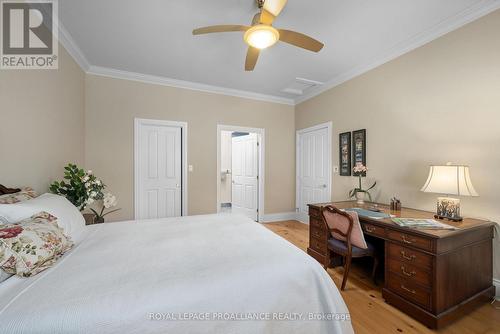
x=369, y=313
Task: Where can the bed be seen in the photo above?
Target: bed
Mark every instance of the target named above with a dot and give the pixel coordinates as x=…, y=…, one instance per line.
x=198, y=274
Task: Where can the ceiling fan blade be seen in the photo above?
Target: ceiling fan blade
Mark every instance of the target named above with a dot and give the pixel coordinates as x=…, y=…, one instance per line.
x=274, y=6
x=300, y=40
x=266, y=17
x=220, y=28
x=252, y=56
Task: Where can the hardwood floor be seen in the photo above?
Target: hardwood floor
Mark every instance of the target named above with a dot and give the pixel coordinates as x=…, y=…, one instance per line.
x=369, y=313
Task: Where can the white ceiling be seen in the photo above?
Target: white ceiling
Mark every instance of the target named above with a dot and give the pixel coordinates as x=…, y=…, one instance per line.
x=154, y=38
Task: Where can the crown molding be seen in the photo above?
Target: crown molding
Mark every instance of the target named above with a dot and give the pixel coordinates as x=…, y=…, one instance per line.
x=72, y=48
x=466, y=16
x=164, y=81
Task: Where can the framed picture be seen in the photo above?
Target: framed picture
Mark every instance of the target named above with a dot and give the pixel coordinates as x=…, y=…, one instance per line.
x=345, y=154
x=359, y=149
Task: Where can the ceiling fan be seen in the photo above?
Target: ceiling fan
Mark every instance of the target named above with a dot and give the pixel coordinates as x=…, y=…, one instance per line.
x=261, y=34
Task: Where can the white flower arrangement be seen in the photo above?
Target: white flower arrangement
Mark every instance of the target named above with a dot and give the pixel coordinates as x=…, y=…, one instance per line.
x=108, y=201
x=83, y=188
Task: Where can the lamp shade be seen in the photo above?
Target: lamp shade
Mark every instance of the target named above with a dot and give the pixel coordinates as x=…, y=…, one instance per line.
x=449, y=180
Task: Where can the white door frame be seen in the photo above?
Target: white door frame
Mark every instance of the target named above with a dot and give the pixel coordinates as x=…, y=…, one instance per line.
x=262, y=154
x=328, y=126
x=184, y=168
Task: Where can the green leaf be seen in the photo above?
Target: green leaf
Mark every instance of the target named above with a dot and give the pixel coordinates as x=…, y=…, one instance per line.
x=373, y=186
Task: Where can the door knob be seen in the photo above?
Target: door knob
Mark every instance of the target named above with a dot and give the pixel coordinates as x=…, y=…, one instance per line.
x=324, y=186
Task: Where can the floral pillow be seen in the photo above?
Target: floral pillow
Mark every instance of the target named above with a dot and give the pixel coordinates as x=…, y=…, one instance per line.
x=32, y=245
x=23, y=195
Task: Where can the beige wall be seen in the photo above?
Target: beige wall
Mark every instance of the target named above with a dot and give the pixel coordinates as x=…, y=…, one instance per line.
x=42, y=123
x=112, y=105
x=438, y=103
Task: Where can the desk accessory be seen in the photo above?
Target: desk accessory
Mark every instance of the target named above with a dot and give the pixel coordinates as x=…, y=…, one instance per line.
x=369, y=214
x=449, y=180
x=427, y=224
x=395, y=204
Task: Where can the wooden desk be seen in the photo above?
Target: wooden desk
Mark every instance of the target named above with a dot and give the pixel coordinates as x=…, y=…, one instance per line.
x=435, y=276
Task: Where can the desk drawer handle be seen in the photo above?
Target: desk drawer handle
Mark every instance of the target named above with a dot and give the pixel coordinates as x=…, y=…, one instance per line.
x=370, y=229
x=317, y=234
x=406, y=257
x=409, y=290
x=406, y=241
x=409, y=274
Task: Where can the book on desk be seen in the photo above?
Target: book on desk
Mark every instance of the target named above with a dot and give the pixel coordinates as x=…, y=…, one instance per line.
x=421, y=265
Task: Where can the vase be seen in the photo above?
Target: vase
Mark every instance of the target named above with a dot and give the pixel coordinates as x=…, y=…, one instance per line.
x=360, y=198
x=98, y=220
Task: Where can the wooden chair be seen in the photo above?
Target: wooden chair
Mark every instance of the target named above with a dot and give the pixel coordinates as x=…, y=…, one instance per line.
x=345, y=248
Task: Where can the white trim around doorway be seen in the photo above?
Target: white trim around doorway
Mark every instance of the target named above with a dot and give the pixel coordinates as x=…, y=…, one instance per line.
x=184, y=129
x=262, y=151
x=328, y=126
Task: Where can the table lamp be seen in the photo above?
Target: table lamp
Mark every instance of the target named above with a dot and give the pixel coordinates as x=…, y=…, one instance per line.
x=449, y=180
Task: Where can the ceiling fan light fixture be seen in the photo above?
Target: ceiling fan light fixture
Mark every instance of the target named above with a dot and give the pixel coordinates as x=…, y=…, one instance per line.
x=261, y=36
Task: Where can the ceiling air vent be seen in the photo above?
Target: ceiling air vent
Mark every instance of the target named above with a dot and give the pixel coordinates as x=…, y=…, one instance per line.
x=300, y=86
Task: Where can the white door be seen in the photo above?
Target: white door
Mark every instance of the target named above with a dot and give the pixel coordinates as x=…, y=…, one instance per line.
x=245, y=163
x=159, y=171
x=313, y=169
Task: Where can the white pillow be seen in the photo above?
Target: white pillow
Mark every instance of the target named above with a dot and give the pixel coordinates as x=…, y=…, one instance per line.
x=68, y=216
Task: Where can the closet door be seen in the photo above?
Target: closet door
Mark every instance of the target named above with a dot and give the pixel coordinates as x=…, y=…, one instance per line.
x=160, y=171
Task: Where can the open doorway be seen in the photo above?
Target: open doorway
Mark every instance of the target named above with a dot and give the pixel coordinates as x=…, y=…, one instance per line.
x=240, y=176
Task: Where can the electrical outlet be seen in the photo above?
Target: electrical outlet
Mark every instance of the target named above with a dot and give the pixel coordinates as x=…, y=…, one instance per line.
x=190, y=168
x=335, y=169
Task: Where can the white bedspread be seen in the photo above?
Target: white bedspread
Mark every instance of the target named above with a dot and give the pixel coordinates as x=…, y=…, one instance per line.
x=208, y=267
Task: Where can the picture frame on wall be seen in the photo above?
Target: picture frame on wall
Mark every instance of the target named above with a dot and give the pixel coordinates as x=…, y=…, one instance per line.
x=345, y=154
x=359, y=149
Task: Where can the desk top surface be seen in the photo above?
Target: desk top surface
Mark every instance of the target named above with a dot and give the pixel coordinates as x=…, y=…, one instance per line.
x=466, y=225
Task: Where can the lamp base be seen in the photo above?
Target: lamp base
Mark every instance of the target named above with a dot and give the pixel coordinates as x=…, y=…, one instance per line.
x=448, y=208
x=458, y=219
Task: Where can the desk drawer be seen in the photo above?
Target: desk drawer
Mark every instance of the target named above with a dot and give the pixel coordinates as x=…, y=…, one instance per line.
x=375, y=230
x=411, y=240
x=318, y=244
x=316, y=222
x=410, y=256
x=318, y=233
x=411, y=273
x=409, y=290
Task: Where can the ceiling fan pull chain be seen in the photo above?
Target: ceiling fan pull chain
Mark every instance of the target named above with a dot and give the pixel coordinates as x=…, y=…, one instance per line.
x=260, y=3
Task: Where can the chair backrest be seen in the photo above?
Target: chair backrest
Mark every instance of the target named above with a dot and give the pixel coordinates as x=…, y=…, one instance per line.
x=344, y=226
x=337, y=221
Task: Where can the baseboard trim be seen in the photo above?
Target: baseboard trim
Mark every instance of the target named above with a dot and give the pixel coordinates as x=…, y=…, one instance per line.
x=276, y=217
x=496, y=284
